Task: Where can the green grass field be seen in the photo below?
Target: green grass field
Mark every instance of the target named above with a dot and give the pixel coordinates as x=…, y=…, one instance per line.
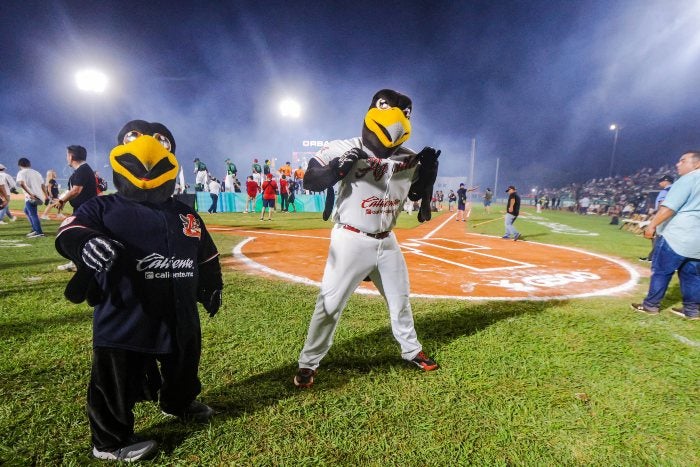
x=527, y=383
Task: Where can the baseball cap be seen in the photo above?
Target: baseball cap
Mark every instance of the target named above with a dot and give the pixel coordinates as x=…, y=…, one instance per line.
x=2, y=167
x=511, y=187
x=461, y=184
x=665, y=178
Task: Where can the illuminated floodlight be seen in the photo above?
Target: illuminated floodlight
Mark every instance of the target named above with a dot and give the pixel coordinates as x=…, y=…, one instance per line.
x=290, y=108
x=613, y=127
x=91, y=80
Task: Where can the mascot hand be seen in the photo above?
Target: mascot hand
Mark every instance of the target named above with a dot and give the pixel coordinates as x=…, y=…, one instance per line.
x=347, y=160
x=424, y=213
x=99, y=253
x=212, y=302
x=428, y=156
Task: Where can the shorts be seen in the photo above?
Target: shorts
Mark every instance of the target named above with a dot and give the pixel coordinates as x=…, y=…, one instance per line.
x=269, y=203
x=487, y=202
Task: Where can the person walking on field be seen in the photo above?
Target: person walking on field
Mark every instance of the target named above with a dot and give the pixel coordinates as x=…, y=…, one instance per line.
x=488, y=196
x=269, y=191
x=82, y=186
x=512, y=212
x=252, y=189
x=676, y=226
x=32, y=183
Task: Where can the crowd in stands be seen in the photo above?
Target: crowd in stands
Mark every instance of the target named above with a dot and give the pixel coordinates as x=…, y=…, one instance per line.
x=623, y=196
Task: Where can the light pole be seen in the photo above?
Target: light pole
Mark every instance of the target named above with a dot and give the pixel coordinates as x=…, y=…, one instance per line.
x=94, y=82
x=616, y=128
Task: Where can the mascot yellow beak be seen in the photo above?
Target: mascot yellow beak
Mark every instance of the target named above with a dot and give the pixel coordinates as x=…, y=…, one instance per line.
x=390, y=126
x=145, y=163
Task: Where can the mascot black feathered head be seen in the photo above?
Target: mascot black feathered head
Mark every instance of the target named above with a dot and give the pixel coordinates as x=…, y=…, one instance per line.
x=144, y=163
x=387, y=122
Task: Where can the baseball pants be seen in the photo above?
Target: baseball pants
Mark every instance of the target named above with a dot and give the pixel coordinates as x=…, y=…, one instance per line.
x=352, y=257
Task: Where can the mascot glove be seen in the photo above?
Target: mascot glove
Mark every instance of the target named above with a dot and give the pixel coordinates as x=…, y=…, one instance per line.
x=347, y=160
x=99, y=253
x=428, y=156
x=212, y=302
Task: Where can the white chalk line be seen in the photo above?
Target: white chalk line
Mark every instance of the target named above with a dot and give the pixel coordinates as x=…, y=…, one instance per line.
x=631, y=283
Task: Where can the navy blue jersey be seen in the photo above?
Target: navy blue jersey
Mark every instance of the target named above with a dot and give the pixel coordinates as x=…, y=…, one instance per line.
x=149, y=301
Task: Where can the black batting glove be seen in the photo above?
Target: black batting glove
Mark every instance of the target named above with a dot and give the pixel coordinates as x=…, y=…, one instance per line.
x=344, y=163
x=99, y=253
x=211, y=301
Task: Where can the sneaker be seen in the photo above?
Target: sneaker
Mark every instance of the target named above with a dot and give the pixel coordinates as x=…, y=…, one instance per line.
x=67, y=267
x=60, y=216
x=130, y=453
x=681, y=313
x=304, y=378
x=196, y=412
x=506, y=236
x=645, y=259
x=31, y=234
x=424, y=362
x=45, y=217
x=642, y=309
x=3, y=222
x=35, y=235
x=517, y=236
x=13, y=218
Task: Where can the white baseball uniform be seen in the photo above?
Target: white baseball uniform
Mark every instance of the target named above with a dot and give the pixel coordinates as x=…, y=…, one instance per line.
x=369, y=201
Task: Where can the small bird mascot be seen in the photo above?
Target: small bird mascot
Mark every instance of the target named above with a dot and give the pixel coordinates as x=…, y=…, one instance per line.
x=144, y=261
x=376, y=174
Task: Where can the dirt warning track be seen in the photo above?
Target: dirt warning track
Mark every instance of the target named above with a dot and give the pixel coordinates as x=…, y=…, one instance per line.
x=444, y=261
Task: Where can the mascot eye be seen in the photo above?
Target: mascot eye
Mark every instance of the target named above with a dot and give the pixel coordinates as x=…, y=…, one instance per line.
x=407, y=113
x=382, y=104
x=131, y=136
x=162, y=140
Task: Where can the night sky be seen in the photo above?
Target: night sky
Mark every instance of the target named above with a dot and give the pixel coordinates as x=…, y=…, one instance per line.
x=537, y=83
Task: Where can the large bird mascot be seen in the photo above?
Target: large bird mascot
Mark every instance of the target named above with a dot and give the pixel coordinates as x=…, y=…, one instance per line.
x=144, y=261
x=376, y=174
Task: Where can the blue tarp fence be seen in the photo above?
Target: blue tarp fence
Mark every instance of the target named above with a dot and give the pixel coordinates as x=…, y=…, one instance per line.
x=235, y=202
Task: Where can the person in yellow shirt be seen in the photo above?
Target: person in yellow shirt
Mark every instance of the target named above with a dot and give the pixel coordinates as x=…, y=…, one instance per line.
x=286, y=169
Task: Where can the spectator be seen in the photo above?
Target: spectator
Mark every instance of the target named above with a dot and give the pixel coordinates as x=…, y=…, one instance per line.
x=512, y=212
x=252, y=189
x=488, y=196
x=678, y=245
x=32, y=183
x=82, y=186
x=10, y=186
x=51, y=195
x=284, y=193
x=269, y=191
x=214, y=190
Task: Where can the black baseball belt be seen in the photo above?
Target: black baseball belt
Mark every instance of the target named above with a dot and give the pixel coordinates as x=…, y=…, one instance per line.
x=378, y=236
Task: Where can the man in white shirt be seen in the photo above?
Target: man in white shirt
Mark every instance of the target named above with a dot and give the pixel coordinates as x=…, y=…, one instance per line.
x=9, y=185
x=214, y=190
x=32, y=183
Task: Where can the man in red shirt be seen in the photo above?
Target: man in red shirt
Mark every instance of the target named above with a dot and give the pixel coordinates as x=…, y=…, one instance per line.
x=269, y=192
x=252, y=188
x=284, y=194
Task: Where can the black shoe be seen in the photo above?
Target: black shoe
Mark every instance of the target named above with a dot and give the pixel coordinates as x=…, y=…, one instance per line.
x=680, y=312
x=424, y=362
x=645, y=259
x=130, y=453
x=642, y=309
x=196, y=412
x=304, y=378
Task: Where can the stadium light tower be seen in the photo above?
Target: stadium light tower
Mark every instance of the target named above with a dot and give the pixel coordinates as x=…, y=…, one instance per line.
x=290, y=108
x=616, y=128
x=93, y=82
